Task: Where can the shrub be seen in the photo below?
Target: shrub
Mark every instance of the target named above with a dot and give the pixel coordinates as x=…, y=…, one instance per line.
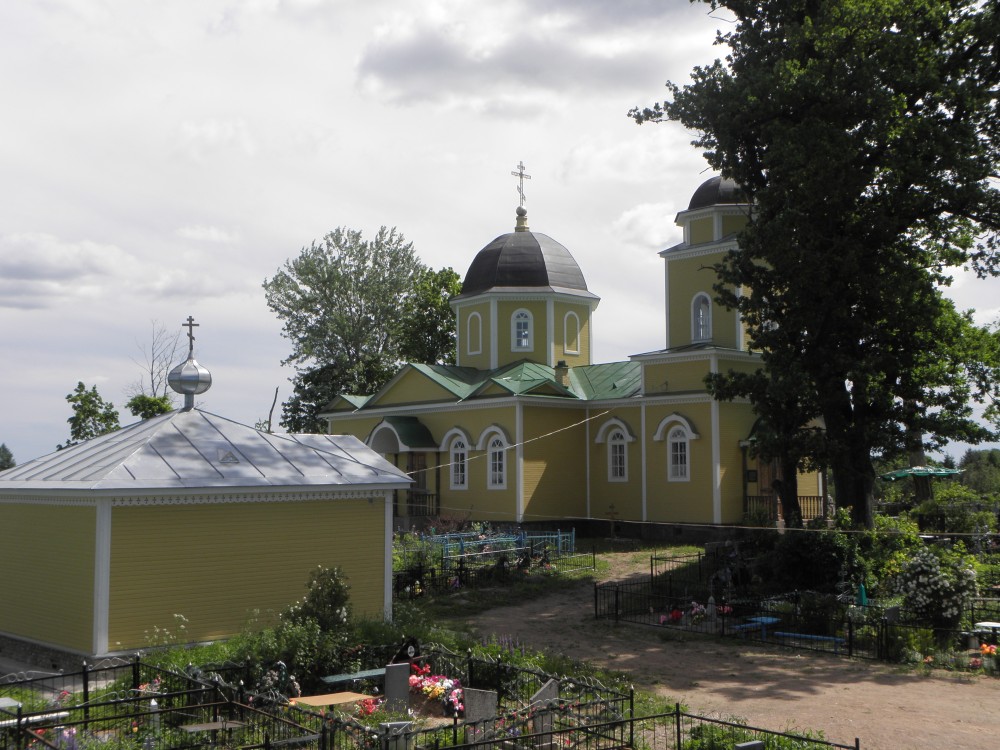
x=935, y=583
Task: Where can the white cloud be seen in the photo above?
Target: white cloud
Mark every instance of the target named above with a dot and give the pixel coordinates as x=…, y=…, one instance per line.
x=200, y=233
x=197, y=140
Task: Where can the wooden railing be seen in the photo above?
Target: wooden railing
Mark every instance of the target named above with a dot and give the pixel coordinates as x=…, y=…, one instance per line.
x=768, y=507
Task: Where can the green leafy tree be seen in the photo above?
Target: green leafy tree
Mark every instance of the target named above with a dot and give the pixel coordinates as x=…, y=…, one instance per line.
x=351, y=307
x=427, y=330
x=981, y=471
x=6, y=458
x=146, y=407
x=865, y=136
x=92, y=415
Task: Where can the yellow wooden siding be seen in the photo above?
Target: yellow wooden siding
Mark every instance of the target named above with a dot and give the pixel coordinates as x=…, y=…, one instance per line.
x=413, y=387
x=732, y=224
x=481, y=358
x=689, y=501
x=582, y=357
x=626, y=497
x=680, y=377
x=216, y=563
x=360, y=427
x=686, y=278
x=505, y=310
x=702, y=230
x=51, y=598
x=735, y=422
x=554, y=473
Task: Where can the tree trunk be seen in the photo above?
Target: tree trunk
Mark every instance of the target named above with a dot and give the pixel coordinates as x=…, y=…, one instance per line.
x=788, y=492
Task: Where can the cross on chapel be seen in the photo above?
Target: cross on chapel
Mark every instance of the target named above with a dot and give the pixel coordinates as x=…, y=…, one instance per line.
x=520, y=182
x=190, y=325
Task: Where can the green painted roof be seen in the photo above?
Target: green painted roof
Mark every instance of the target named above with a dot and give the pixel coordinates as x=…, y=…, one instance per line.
x=610, y=380
x=411, y=432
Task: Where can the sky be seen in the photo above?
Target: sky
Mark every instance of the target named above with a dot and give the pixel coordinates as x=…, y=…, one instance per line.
x=162, y=159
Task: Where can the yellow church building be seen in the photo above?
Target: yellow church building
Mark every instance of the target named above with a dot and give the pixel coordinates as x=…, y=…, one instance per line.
x=526, y=427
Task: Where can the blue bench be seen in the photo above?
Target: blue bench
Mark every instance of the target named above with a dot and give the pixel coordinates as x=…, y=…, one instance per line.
x=745, y=628
x=368, y=674
x=835, y=640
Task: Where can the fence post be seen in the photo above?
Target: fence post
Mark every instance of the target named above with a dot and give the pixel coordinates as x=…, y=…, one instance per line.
x=86, y=693
x=135, y=672
x=677, y=724
x=597, y=613
x=322, y=735
x=850, y=637
x=631, y=716
x=617, y=602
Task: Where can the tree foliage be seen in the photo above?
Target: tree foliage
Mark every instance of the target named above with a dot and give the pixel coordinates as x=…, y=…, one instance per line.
x=351, y=308
x=866, y=137
x=158, y=358
x=147, y=407
x=981, y=471
x=6, y=458
x=92, y=415
x=427, y=330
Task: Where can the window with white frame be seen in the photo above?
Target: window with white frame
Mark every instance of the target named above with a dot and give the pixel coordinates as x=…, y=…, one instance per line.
x=520, y=330
x=497, y=457
x=474, y=334
x=571, y=333
x=617, y=457
x=678, y=455
x=701, y=318
x=459, y=465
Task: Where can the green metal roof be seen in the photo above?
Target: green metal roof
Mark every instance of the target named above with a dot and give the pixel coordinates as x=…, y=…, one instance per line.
x=412, y=432
x=610, y=380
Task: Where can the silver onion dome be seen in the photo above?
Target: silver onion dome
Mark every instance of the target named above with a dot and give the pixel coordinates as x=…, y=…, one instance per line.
x=189, y=378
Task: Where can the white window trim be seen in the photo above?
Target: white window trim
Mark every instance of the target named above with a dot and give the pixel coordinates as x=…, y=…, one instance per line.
x=566, y=337
x=613, y=441
x=469, y=337
x=678, y=436
x=498, y=446
x=464, y=462
x=513, y=331
x=485, y=443
x=696, y=334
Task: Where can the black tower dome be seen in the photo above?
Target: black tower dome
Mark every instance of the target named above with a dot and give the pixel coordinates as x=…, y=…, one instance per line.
x=523, y=259
x=714, y=191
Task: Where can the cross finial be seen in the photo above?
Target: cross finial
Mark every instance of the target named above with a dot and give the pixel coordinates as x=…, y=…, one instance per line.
x=520, y=182
x=190, y=325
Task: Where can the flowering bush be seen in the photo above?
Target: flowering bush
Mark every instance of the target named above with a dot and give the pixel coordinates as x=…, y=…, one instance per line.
x=934, y=586
x=697, y=612
x=438, y=688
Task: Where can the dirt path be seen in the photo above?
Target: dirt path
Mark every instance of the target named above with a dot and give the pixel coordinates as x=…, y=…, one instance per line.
x=887, y=708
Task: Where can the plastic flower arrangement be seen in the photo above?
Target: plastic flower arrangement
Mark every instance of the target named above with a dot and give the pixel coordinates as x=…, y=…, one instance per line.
x=724, y=609
x=368, y=706
x=987, y=649
x=697, y=612
x=675, y=615
x=438, y=688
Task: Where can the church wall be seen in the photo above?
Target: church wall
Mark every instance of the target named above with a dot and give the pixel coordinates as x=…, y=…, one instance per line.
x=481, y=356
x=733, y=223
x=413, y=388
x=735, y=422
x=50, y=599
x=538, y=351
x=678, y=377
x=360, y=427
x=688, y=277
x=626, y=497
x=555, y=477
x=702, y=230
x=686, y=501
x=216, y=563
x=582, y=357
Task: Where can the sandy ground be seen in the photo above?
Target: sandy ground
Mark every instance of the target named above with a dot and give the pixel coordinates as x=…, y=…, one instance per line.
x=885, y=706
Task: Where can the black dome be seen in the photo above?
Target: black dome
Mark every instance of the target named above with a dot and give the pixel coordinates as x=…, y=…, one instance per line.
x=715, y=191
x=523, y=259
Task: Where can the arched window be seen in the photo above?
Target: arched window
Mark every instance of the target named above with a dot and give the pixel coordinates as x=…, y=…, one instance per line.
x=571, y=333
x=497, y=479
x=701, y=318
x=520, y=331
x=678, y=455
x=474, y=334
x=459, y=465
x=617, y=457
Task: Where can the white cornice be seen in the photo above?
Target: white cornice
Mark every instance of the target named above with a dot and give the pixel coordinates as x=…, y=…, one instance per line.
x=680, y=252
x=699, y=355
x=198, y=496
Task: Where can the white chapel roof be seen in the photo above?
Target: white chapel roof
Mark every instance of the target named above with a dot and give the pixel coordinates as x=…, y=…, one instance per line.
x=194, y=449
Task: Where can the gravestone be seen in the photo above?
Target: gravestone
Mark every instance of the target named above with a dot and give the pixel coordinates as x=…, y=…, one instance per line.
x=397, y=687
x=480, y=705
x=547, y=693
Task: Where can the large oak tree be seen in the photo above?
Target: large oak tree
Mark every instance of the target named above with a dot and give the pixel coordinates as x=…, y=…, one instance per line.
x=866, y=135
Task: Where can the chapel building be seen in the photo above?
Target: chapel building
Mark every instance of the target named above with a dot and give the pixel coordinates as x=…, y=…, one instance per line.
x=526, y=427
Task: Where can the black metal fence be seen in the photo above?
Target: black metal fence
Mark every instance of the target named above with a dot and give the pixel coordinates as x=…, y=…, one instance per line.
x=809, y=621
